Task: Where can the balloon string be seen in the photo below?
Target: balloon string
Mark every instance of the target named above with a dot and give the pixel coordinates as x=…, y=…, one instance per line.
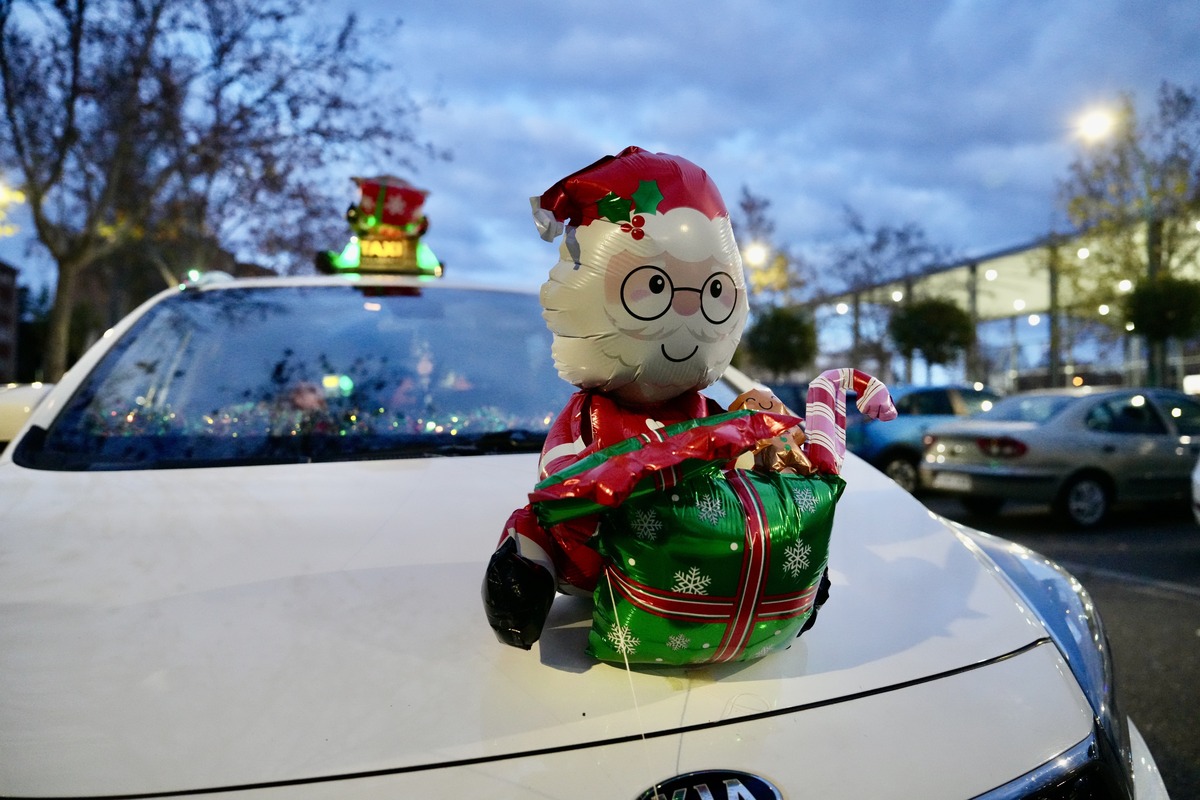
x=632, y=691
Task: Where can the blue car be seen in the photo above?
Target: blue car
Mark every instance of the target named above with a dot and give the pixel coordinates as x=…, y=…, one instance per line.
x=895, y=448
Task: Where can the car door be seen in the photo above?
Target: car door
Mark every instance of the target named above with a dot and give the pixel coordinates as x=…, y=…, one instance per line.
x=1182, y=414
x=1139, y=450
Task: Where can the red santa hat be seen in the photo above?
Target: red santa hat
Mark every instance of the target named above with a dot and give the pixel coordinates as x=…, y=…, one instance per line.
x=391, y=200
x=634, y=183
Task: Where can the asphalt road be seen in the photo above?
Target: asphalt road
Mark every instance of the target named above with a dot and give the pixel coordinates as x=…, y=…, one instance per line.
x=1142, y=568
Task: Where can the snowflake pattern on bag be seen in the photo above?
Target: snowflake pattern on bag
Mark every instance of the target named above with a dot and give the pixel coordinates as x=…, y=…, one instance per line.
x=646, y=524
x=623, y=640
x=806, y=501
x=795, y=558
x=709, y=508
x=691, y=582
x=678, y=642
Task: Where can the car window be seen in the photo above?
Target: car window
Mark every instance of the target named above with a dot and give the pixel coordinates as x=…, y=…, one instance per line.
x=1183, y=411
x=1131, y=415
x=1100, y=418
x=935, y=401
x=307, y=373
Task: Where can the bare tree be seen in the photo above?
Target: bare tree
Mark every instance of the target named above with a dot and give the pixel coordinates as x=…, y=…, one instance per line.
x=226, y=121
x=869, y=257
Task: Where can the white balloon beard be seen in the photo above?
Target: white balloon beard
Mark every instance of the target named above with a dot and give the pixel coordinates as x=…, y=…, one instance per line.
x=599, y=345
x=640, y=371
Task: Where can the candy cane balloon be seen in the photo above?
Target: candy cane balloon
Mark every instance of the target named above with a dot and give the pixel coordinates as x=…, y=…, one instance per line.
x=825, y=425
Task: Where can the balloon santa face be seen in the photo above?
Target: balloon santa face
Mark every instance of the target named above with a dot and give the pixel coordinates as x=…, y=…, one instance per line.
x=647, y=300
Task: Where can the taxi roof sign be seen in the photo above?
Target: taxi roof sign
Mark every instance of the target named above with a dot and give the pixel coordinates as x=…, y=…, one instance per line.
x=386, y=224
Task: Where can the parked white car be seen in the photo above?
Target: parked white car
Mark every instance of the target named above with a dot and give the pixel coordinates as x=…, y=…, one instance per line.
x=241, y=550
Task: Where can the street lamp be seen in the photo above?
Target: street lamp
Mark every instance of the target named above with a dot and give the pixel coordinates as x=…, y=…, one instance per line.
x=755, y=255
x=1096, y=124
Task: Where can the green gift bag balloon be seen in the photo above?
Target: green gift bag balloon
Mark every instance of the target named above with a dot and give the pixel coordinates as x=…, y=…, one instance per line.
x=714, y=564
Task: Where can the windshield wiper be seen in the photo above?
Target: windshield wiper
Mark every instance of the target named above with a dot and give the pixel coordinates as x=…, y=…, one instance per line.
x=148, y=453
x=429, y=446
x=516, y=440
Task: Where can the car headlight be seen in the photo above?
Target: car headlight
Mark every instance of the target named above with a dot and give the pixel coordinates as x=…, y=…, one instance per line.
x=1073, y=622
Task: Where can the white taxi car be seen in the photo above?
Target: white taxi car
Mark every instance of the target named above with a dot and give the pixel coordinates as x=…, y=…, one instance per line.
x=241, y=550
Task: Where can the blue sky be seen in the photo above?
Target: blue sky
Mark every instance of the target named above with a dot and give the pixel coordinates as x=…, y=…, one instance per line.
x=957, y=115
x=954, y=114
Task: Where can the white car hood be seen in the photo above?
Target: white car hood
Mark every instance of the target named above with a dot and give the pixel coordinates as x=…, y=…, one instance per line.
x=185, y=629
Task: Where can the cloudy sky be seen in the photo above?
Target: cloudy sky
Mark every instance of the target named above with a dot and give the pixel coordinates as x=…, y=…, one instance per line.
x=957, y=115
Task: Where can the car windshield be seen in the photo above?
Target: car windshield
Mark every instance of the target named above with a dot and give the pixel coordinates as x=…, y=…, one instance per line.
x=287, y=373
x=1028, y=408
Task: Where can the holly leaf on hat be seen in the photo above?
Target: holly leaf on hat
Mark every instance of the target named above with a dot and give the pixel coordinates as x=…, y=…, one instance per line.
x=647, y=197
x=613, y=208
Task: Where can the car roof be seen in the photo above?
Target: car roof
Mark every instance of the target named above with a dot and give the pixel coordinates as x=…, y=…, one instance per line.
x=962, y=387
x=1093, y=391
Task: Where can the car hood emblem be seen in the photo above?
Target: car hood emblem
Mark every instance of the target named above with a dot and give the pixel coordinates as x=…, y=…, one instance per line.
x=713, y=784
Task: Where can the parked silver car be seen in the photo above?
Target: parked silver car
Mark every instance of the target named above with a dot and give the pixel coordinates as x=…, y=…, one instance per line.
x=1080, y=450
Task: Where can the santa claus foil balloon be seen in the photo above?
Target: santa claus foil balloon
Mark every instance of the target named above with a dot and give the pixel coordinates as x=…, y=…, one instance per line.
x=647, y=300
x=701, y=534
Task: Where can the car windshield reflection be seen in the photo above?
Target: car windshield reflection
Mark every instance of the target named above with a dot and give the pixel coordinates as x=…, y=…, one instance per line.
x=285, y=374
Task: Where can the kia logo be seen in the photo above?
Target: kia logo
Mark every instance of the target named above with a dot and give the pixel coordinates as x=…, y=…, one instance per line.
x=713, y=784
